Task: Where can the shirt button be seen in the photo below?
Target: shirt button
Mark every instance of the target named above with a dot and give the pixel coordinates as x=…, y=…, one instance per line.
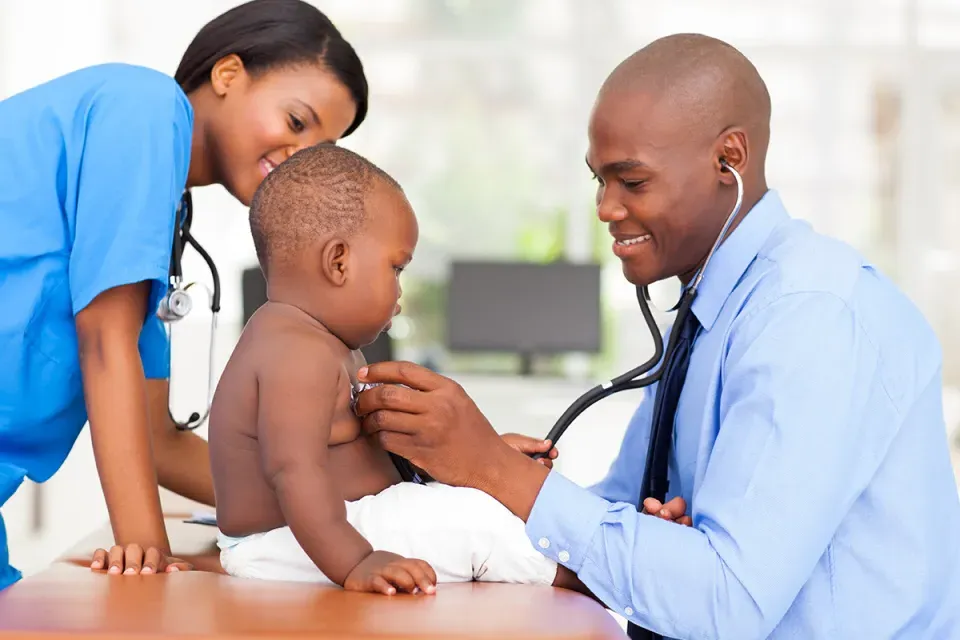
x=628, y=611
x=544, y=543
x=564, y=556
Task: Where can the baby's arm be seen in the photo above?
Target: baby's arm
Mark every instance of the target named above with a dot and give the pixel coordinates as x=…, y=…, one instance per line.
x=297, y=391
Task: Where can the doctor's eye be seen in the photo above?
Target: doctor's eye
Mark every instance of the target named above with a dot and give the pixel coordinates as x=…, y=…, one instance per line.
x=596, y=179
x=633, y=185
x=296, y=124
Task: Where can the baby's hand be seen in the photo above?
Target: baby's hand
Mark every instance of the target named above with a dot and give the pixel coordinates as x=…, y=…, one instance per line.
x=674, y=510
x=530, y=446
x=384, y=572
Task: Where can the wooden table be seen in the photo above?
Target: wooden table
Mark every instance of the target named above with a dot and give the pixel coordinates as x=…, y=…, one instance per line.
x=70, y=600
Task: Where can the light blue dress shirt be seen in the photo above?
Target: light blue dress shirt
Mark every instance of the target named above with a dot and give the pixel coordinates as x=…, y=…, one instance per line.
x=92, y=167
x=811, y=449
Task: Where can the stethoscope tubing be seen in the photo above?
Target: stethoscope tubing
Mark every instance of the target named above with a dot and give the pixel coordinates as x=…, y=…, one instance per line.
x=182, y=238
x=632, y=379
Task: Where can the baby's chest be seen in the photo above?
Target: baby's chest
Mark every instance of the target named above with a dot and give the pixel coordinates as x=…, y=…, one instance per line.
x=345, y=426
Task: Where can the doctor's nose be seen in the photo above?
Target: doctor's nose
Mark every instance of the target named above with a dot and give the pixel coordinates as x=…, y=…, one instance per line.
x=609, y=209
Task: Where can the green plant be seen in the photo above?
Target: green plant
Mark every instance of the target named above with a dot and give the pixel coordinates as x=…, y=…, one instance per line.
x=543, y=237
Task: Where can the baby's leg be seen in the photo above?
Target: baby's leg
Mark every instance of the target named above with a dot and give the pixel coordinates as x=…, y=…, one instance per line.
x=463, y=533
x=274, y=555
x=507, y=554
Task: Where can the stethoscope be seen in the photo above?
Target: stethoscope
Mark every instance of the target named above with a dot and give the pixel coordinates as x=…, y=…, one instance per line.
x=177, y=304
x=632, y=379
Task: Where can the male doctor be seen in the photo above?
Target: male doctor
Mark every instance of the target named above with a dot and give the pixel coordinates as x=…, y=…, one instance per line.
x=809, y=441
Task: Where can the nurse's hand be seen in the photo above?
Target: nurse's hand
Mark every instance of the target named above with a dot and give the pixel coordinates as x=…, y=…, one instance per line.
x=431, y=422
x=131, y=560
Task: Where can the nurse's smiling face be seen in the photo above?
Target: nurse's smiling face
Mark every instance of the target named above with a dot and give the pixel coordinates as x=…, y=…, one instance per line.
x=250, y=123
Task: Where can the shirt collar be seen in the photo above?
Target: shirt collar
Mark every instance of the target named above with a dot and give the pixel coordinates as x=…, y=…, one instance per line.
x=732, y=258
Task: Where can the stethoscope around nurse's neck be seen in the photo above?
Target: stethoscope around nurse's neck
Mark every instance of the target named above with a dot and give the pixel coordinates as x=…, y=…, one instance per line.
x=177, y=303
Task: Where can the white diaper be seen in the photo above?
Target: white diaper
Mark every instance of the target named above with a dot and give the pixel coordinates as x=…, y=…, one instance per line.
x=464, y=534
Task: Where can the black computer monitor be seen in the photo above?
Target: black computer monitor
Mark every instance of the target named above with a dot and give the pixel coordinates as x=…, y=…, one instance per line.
x=254, y=288
x=524, y=308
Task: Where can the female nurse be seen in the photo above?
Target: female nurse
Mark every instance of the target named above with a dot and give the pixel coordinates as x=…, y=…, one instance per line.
x=92, y=169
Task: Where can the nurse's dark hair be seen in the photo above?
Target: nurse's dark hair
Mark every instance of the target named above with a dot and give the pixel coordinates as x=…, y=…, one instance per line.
x=266, y=34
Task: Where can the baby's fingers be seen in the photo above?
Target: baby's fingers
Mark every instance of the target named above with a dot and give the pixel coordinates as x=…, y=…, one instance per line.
x=398, y=575
x=380, y=585
x=99, y=559
x=423, y=574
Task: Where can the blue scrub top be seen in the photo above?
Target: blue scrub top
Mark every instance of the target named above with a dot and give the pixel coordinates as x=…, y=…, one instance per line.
x=92, y=168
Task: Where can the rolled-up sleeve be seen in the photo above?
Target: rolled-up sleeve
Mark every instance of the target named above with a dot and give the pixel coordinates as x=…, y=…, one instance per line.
x=804, y=423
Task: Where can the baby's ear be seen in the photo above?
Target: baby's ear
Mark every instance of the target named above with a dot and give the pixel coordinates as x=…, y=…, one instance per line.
x=333, y=261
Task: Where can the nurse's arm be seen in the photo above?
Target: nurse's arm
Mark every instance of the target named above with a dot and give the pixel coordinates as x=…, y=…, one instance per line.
x=182, y=457
x=108, y=330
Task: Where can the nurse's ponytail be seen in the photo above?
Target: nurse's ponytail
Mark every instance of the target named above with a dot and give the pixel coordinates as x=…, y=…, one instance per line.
x=266, y=34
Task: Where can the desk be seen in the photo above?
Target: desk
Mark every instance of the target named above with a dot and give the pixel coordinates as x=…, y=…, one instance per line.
x=69, y=600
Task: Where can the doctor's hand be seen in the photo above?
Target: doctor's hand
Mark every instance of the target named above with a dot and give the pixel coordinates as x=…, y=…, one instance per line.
x=530, y=446
x=675, y=510
x=431, y=422
x=132, y=560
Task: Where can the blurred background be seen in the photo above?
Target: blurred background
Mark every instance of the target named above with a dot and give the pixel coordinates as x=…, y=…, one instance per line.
x=479, y=109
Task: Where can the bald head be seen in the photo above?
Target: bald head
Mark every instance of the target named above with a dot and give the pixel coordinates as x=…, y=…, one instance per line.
x=663, y=121
x=705, y=85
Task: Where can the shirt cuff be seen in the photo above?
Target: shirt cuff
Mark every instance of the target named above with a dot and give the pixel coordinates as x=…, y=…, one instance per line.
x=564, y=519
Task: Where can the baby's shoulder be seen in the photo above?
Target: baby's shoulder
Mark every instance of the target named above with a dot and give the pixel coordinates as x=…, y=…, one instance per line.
x=278, y=340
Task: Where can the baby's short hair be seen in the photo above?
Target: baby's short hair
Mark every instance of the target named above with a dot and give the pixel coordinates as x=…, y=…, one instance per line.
x=318, y=190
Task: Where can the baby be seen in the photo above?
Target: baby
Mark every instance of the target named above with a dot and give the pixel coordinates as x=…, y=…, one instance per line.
x=301, y=493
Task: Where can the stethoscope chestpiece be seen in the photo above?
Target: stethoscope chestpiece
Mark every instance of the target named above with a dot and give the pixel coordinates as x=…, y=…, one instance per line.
x=176, y=305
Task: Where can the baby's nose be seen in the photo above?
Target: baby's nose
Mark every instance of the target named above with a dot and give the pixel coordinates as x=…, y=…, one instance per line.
x=397, y=309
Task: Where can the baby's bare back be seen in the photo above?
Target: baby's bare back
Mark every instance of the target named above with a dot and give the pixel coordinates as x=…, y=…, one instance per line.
x=246, y=501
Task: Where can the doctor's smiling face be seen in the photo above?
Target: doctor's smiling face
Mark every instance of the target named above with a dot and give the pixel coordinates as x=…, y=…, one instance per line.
x=660, y=125
x=266, y=79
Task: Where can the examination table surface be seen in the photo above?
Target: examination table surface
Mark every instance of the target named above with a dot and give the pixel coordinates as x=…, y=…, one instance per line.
x=70, y=600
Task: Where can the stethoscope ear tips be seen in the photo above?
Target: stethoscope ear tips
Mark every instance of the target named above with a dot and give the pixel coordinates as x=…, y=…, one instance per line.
x=724, y=164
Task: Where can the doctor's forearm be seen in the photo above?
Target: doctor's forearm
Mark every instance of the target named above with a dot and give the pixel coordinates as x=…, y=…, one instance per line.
x=514, y=479
x=667, y=577
x=115, y=391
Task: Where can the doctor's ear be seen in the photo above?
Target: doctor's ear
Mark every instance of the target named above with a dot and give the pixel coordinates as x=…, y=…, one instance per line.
x=225, y=73
x=333, y=261
x=731, y=153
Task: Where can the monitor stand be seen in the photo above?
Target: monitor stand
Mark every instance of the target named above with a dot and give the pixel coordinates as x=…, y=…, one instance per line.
x=526, y=364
